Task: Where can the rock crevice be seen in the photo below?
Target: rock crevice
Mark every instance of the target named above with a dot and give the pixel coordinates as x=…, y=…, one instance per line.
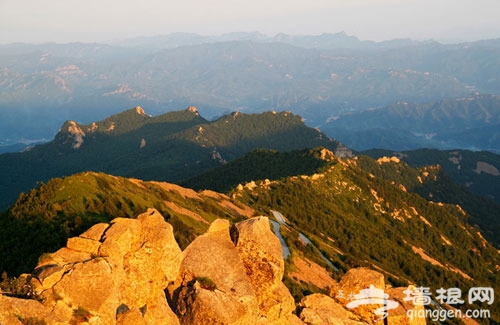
x=132, y=271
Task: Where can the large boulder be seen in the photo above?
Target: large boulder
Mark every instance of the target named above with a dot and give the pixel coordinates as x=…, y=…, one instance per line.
x=261, y=254
x=112, y=273
x=360, y=284
x=400, y=315
x=232, y=275
x=213, y=286
x=361, y=278
x=321, y=309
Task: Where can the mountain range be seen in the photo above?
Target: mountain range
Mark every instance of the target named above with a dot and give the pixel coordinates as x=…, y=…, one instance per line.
x=469, y=123
x=185, y=148
x=367, y=162
x=478, y=172
x=318, y=77
x=335, y=210
x=169, y=147
x=348, y=213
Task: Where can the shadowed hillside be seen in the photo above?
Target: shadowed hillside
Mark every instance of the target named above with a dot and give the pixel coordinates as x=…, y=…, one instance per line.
x=170, y=147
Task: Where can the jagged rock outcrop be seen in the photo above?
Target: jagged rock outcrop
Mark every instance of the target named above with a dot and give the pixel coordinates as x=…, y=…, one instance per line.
x=118, y=273
x=321, y=309
x=13, y=310
x=111, y=273
x=232, y=275
x=352, y=286
x=132, y=271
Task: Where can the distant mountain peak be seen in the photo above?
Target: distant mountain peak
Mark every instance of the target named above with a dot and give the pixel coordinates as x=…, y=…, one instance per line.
x=178, y=145
x=74, y=134
x=193, y=109
x=140, y=111
x=326, y=155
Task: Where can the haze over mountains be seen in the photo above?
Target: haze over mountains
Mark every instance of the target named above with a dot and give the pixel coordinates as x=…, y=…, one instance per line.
x=265, y=141
x=469, y=123
x=319, y=77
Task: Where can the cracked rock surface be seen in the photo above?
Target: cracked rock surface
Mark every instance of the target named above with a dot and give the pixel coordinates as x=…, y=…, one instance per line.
x=112, y=273
x=132, y=271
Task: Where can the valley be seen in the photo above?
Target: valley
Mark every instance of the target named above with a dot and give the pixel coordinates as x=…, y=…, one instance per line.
x=245, y=178
x=320, y=78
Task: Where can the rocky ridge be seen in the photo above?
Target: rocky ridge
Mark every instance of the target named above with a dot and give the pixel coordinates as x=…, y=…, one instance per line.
x=132, y=271
x=115, y=145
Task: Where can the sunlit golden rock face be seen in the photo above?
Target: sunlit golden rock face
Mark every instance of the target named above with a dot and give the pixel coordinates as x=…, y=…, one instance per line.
x=133, y=271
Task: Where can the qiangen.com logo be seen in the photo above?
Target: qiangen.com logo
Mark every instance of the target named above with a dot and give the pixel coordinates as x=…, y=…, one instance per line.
x=421, y=297
x=374, y=296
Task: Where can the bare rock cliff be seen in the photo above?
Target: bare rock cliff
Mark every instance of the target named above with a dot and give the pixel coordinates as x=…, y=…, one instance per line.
x=112, y=271
x=132, y=271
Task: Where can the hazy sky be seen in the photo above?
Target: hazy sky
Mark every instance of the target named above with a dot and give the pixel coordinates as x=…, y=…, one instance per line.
x=101, y=20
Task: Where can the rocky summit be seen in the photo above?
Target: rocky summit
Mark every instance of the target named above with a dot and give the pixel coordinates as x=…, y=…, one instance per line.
x=132, y=271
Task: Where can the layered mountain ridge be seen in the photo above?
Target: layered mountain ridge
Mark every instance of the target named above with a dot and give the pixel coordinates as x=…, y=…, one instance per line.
x=94, y=220
x=445, y=185
x=476, y=171
x=338, y=212
x=173, y=146
x=315, y=76
x=348, y=210
x=469, y=123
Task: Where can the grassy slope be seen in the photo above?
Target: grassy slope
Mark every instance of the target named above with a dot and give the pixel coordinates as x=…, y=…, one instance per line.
x=41, y=220
x=356, y=211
